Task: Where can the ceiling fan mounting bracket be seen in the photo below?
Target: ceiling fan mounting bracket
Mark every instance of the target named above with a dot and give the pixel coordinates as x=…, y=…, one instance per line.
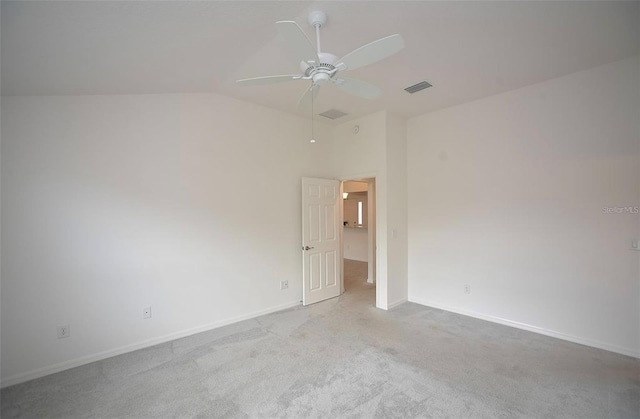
x=317, y=19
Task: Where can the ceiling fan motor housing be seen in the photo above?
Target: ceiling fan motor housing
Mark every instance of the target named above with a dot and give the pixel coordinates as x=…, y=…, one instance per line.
x=323, y=72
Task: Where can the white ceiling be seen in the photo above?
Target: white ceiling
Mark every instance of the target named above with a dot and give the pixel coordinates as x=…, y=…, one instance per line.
x=467, y=50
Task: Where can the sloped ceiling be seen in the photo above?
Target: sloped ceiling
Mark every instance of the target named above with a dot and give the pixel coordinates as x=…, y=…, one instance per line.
x=467, y=50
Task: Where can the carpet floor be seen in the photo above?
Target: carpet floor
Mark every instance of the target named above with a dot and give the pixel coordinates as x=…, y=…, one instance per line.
x=343, y=358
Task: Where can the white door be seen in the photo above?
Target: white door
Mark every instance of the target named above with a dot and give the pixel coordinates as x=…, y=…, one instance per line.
x=320, y=239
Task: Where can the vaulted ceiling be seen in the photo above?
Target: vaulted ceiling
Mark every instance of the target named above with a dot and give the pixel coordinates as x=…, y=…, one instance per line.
x=466, y=50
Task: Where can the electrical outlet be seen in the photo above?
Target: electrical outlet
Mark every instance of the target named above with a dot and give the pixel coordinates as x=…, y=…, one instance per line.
x=467, y=289
x=284, y=285
x=64, y=332
x=146, y=313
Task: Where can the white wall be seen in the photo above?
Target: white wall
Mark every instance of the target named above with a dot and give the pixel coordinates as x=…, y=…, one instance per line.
x=506, y=194
x=356, y=244
x=363, y=155
x=379, y=149
x=397, y=210
x=350, y=209
x=114, y=203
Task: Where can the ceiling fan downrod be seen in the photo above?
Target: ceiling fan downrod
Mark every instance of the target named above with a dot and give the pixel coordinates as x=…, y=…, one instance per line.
x=317, y=19
x=320, y=72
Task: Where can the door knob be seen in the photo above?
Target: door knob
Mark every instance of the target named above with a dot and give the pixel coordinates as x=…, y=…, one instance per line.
x=308, y=248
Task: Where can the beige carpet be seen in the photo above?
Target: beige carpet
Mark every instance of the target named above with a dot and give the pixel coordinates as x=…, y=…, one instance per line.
x=344, y=358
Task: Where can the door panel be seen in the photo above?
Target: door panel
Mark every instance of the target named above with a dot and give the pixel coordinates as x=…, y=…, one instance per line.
x=330, y=223
x=314, y=223
x=315, y=271
x=331, y=259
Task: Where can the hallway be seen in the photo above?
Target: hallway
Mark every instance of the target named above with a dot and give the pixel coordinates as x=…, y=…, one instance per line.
x=355, y=275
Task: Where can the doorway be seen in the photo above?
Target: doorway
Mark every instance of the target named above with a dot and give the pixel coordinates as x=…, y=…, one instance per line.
x=358, y=232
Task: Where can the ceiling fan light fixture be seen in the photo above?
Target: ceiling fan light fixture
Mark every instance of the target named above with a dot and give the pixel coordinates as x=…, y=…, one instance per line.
x=321, y=78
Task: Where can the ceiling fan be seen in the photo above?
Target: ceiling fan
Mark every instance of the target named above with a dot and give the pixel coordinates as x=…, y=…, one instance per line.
x=322, y=67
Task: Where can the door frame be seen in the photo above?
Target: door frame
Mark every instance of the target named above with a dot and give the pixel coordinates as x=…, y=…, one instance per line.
x=372, y=236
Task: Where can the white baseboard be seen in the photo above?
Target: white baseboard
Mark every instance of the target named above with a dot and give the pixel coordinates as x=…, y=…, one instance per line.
x=396, y=303
x=52, y=369
x=530, y=328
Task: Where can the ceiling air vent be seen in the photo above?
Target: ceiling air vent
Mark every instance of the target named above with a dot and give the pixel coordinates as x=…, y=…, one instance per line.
x=417, y=87
x=333, y=114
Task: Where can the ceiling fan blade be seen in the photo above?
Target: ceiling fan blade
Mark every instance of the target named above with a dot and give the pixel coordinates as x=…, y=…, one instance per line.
x=267, y=80
x=298, y=42
x=310, y=94
x=372, y=52
x=358, y=88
